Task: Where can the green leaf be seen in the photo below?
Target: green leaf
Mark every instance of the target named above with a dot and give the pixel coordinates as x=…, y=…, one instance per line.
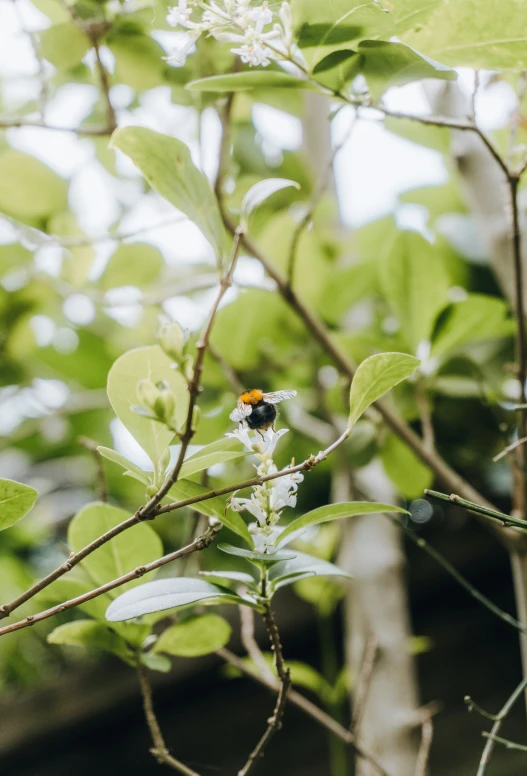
x=28, y=188
x=233, y=576
x=217, y=452
x=386, y=64
x=137, y=264
x=333, y=512
x=483, y=34
x=376, y=375
x=194, y=637
x=167, y=165
x=89, y=633
x=476, y=318
x=156, y=662
x=404, y=469
x=132, y=548
x=138, y=60
x=64, y=45
x=411, y=14
x=415, y=282
x=248, y=80
x=153, y=364
x=113, y=455
x=303, y=565
x=168, y=594
x=255, y=557
x=16, y=499
x=262, y=191
x=212, y=507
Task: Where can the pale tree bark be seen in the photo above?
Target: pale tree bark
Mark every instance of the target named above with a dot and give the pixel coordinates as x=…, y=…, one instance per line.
x=377, y=608
x=377, y=604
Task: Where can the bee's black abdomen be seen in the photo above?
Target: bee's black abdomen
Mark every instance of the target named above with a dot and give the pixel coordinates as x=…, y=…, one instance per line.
x=263, y=415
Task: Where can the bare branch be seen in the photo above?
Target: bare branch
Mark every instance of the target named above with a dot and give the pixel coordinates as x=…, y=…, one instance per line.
x=366, y=673
x=197, y=545
x=249, y=642
x=489, y=746
x=159, y=750
x=7, y=123
x=309, y=708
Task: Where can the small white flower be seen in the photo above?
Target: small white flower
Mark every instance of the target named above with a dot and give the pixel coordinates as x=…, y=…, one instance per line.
x=249, y=442
x=179, y=56
x=261, y=16
x=253, y=54
x=179, y=15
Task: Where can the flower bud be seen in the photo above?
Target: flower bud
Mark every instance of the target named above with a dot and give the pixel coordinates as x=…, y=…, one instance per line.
x=165, y=406
x=147, y=393
x=172, y=340
x=151, y=491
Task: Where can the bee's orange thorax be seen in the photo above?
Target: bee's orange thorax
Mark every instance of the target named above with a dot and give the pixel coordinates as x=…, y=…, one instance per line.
x=251, y=397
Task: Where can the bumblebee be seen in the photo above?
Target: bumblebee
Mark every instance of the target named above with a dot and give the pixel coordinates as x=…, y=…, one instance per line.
x=256, y=409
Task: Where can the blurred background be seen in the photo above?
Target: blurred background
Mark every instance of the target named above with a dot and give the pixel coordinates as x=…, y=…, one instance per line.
x=92, y=261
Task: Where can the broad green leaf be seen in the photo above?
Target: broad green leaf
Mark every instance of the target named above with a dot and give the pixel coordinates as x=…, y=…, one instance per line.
x=137, y=264
x=233, y=576
x=64, y=45
x=113, y=455
x=194, y=637
x=345, y=288
x=153, y=364
x=168, y=167
x=483, y=34
x=476, y=318
x=255, y=557
x=138, y=60
x=376, y=375
x=410, y=14
x=168, y=594
x=288, y=571
x=402, y=466
x=16, y=499
x=333, y=512
x=217, y=452
x=28, y=188
x=248, y=80
x=261, y=191
x=212, y=507
x=436, y=138
x=386, y=64
x=89, y=633
x=132, y=548
x=415, y=282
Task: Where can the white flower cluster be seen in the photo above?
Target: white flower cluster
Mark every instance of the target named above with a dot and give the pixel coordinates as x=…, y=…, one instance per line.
x=239, y=22
x=268, y=500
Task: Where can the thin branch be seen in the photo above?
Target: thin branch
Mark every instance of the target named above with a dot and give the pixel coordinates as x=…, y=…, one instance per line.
x=477, y=509
x=274, y=723
x=505, y=741
x=159, y=750
x=309, y=708
x=427, y=426
x=102, y=490
x=75, y=558
x=318, y=192
x=7, y=123
x=509, y=449
x=249, y=641
x=489, y=746
x=201, y=543
x=427, y=735
x=473, y=706
x=459, y=578
x=364, y=681
x=111, y=119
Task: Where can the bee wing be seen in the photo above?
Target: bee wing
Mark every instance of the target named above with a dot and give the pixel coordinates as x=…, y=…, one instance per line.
x=278, y=396
x=241, y=412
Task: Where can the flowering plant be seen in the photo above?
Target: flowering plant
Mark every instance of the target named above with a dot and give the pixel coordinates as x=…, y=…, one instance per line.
x=239, y=22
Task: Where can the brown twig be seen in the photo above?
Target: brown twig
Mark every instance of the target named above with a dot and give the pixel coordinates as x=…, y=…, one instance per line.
x=504, y=712
x=274, y=723
x=427, y=736
x=364, y=682
x=102, y=490
x=249, y=641
x=111, y=119
x=159, y=750
x=201, y=543
x=509, y=449
x=309, y=708
x=75, y=558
